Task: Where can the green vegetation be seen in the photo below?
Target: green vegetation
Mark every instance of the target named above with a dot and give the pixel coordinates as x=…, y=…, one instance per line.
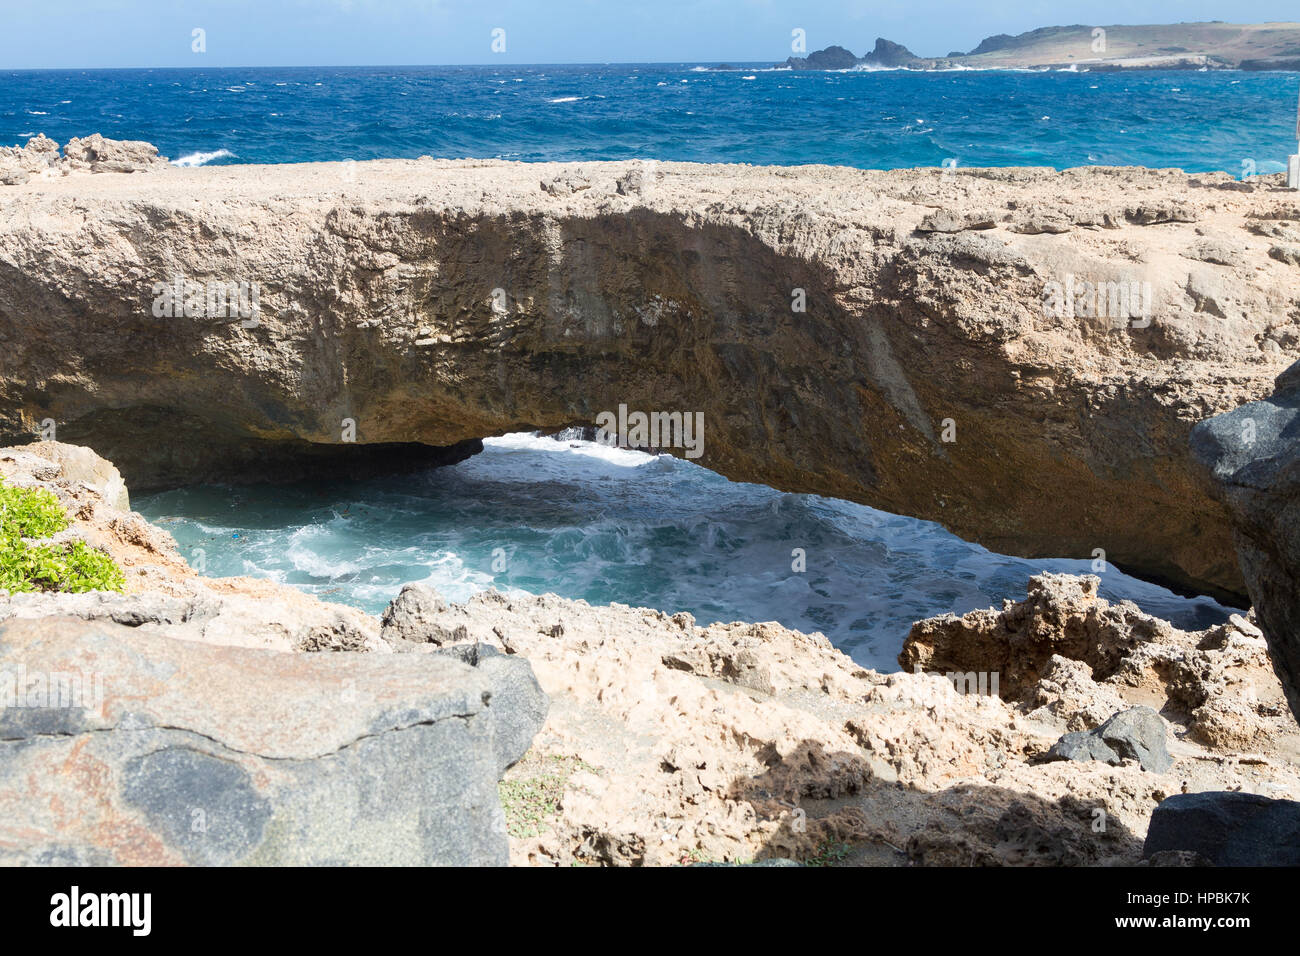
x=30, y=512
x=829, y=854
x=531, y=802
x=26, y=566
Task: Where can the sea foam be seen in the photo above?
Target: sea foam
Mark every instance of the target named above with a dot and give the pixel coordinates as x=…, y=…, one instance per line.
x=202, y=159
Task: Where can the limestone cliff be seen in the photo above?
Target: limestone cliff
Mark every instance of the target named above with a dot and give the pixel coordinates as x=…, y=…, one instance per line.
x=927, y=342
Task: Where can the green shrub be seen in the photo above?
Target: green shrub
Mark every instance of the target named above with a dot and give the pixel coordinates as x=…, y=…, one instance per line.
x=30, y=512
x=71, y=567
x=27, y=566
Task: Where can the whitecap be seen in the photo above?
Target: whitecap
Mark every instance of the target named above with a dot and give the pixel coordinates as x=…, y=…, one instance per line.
x=602, y=523
x=202, y=159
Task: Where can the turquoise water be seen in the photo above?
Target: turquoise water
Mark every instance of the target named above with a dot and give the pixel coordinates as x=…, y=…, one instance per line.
x=604, y=524
x=880, y=119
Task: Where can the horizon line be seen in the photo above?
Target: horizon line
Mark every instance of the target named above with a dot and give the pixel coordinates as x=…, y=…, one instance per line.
x=390, y=66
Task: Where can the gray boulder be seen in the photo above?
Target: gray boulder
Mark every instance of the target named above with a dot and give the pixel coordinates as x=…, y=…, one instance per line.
x=518, y=705
x=949, y=220
x=1252, y=456
x=1226, y=829
x=120, y=747
x=1134, y=734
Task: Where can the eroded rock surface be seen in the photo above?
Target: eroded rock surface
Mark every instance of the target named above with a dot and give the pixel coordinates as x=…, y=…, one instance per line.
x=667, y=742
x=94, y=154
x=1067, y=654
x=438, y=302
x=100, y=155
x=661, y=742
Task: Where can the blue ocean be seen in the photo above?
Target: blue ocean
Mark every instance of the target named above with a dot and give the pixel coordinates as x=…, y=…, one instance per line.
x=881, y=119
x=582, y=520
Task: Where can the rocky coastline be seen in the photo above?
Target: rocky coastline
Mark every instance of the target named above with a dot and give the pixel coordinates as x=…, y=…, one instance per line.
x=596, y=735
x=238, y=721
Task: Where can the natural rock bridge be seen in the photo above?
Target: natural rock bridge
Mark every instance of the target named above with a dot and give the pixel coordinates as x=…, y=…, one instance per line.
x=411, y=304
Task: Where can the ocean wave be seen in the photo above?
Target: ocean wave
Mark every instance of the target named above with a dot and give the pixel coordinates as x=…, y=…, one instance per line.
x=202, y=159
x=533, y=514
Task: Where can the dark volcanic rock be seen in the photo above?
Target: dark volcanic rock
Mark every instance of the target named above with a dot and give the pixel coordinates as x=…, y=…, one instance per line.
x=1227, y=829
x=831, y=58
x=885, y=53
x=518, y=705
x=158, y=751
x=1135, y=734
x=1253, y=456
x=888, y=53
x=1281, y=63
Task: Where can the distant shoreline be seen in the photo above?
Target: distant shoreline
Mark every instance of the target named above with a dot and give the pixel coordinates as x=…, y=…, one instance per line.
x=1196, y=47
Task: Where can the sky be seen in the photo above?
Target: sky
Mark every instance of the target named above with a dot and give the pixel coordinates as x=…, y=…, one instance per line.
x=55, y=34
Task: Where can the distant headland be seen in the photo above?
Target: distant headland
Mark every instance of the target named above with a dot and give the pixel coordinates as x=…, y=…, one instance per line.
x=1177, y=46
